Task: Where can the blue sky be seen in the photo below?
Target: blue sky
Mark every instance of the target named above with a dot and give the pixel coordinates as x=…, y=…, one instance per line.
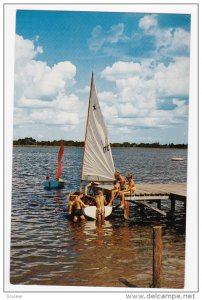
x=141, y=66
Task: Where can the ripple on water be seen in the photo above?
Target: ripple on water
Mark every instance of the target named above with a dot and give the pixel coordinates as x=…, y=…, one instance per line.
x=48, y=249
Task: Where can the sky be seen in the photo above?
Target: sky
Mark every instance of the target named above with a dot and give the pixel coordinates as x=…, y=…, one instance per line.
x=141, y=68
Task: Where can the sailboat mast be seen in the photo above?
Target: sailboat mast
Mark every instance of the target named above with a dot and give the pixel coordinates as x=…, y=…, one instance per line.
x=86, y=132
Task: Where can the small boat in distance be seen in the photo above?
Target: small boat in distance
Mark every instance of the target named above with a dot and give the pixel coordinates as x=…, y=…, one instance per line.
x=177, y=159
x=58, y=182
x=97, y=164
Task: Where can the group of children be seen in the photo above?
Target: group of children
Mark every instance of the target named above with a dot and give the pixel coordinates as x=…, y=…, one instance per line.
x=120, y=190
x=75, y=207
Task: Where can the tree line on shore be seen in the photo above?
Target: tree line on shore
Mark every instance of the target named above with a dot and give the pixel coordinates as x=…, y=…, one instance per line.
x=29, y=141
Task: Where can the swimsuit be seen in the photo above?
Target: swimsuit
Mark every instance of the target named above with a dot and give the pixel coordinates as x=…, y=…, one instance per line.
x=122, y=183
x=100, y=210
x=77, y=212
x=123, y=188
x=131, y=187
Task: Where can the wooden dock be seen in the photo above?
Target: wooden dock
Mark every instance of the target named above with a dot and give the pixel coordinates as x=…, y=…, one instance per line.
x=151, y=195
x=150, y=189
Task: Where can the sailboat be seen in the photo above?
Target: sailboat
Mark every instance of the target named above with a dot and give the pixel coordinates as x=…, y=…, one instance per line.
x=58, y=182
x=97, y=163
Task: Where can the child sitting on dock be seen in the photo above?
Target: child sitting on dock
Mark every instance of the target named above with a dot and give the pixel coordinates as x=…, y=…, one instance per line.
x=75, y=208
x=100, y=202
x=119, y=185
x=130, y=189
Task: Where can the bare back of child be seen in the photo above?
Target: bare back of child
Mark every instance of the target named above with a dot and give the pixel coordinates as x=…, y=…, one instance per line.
x=100, y=204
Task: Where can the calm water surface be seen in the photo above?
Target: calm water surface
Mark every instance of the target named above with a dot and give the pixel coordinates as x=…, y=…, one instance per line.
x=48, y=249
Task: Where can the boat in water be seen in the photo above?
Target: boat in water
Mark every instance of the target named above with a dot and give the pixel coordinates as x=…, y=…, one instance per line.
x=177, y=159
x=97, y=164
x=58, y=182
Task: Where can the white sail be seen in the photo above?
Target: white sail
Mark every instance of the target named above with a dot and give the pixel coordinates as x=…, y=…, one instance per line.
x=98, y=163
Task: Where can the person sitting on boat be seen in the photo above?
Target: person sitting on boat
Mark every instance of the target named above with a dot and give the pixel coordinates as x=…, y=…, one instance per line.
x=59, y=179
x=89, y=188
x=100, y=202
x=48, y=180
x=119, y=185
x=129, y=190
x=75, y=208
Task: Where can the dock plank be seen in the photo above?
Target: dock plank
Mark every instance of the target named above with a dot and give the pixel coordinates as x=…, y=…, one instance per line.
x=147, y=193
x=146, y=189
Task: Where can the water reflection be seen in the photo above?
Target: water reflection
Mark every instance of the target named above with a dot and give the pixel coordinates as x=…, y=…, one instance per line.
x=49, y=249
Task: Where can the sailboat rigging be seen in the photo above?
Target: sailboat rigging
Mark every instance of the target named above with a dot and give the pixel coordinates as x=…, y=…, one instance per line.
x=58, y=182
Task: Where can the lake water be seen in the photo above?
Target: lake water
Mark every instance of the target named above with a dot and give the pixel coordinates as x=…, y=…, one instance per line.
x=48, y=249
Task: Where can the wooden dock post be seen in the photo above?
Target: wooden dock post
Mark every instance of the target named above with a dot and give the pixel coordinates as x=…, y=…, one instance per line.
x=157, y=256
x=126, y=210
x=142, y=212
x=185, y=205
x=172, y=206
x=159, y=204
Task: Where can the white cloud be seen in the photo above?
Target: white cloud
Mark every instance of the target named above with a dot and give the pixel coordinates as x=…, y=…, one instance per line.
x=86, y=89
x=163, y=37
x=24, y=102
x=115, y=33
x=138, y=92
x=107, y=97
x=21, y=116
x=178, y=102
x=136, y=79
x=108, y=102
x=100, y=37
x=36, y=79
x=121, y=70
x=179, y=43
x=42, y=93
x=148, y=22
x=169, y=41
x=25, y=51
x=173, y=80
x=54, y=117
x=180, y=38
x=67, y=103
x=165, y=41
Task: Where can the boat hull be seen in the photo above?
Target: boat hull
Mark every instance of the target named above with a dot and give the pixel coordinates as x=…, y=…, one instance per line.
x=177, y=159
x=90, y=211
x=53, y=184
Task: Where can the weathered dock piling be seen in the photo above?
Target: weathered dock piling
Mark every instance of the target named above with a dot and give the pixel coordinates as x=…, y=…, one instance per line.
x=157, y=256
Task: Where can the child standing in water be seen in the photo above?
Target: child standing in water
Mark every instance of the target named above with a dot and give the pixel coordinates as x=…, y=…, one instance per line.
x=75, y=208
x=100, y=202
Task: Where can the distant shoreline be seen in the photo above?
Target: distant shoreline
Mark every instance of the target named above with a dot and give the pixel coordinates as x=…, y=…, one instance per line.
x=30, y=142
x=112, y=147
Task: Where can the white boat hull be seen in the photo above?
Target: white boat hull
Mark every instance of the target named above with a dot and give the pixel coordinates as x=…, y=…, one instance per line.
x=90, y=211
x=177, y=159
